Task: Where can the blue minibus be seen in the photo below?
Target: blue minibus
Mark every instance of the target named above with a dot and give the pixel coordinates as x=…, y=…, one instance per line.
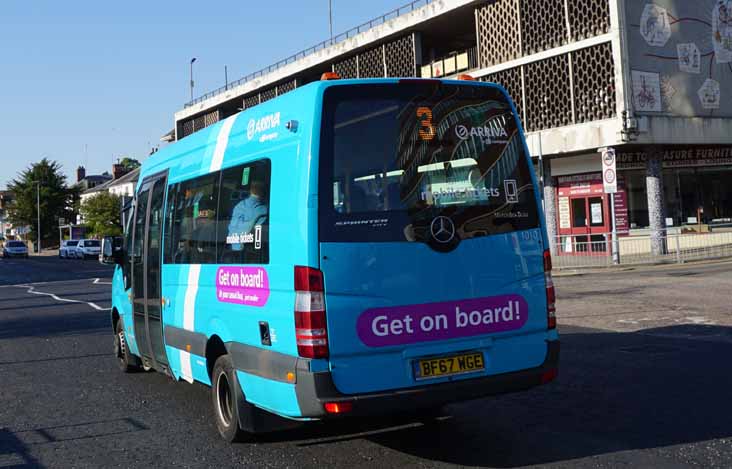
x=350, y=248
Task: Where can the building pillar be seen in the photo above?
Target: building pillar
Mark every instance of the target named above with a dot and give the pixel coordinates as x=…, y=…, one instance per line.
x=550, y=204
x=656, y=201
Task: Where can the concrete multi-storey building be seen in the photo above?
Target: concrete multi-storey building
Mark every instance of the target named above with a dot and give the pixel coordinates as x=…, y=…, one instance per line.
x=650, y=79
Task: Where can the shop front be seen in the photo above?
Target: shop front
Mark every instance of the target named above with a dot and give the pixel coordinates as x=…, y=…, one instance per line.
x=688, y=190
x=585, y=212
x=697, y=186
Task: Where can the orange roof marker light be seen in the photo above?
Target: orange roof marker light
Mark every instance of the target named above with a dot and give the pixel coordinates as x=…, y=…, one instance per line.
x=330, y=76
x=465, y=77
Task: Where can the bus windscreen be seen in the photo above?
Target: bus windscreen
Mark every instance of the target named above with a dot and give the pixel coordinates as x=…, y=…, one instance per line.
x=394, y=158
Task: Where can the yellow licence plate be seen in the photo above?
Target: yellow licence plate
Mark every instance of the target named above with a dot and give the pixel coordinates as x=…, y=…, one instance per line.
x=446, y=366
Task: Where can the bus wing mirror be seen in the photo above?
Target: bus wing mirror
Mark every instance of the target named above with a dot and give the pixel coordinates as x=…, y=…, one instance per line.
x=112, y=251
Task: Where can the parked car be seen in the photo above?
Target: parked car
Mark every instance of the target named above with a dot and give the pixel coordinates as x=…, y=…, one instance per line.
x=88, y=249
x=68, y=249
x=15, y=249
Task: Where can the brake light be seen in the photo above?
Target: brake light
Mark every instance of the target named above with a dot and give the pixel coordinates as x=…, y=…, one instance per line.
x=549, y=376
x=311, y=329
x=330, y=76
x=551, y=296
x=338, y=407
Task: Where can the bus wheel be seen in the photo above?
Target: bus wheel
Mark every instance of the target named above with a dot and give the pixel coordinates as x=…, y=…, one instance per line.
x=126, y=361
x=227, y=400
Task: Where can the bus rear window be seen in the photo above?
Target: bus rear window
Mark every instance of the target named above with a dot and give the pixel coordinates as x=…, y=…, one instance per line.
x=395, y=157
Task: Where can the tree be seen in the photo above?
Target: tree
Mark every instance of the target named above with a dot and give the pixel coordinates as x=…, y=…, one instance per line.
x=102, y=214
x=56, y=199
x=129, y=163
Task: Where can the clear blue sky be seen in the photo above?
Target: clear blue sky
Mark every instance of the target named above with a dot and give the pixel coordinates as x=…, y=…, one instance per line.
x=110, y=75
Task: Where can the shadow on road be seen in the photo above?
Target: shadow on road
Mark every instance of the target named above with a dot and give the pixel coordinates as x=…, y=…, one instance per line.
x=616, y=392
x=67, y=322
x=14, y=453
x=14, y=446
x=54, y=359
x=49, y=269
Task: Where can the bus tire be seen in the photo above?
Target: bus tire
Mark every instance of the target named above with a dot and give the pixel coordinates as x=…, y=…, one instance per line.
x=127, y=362
x=228, y=400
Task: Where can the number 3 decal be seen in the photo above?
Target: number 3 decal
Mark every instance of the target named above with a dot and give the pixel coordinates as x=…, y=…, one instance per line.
x=427, y=130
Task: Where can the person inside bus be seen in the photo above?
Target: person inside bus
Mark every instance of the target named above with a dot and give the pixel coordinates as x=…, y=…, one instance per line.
x=248, y=213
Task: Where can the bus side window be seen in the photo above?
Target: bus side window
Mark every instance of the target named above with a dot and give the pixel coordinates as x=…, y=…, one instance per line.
x=171, y=224
x=244, y=206
x=191, y=233
x=127, y=265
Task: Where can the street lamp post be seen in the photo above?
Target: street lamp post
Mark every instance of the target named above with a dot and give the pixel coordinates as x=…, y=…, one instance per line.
x=192, y=84
x=330, y=15
x=38, y=201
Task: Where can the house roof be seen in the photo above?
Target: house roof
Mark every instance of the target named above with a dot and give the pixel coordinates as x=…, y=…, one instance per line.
x=130, y=177
x=97, y=177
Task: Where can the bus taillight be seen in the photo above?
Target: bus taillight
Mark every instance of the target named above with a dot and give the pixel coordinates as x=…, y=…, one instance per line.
x=311, y=329
x=551, y=295
x=327, y=76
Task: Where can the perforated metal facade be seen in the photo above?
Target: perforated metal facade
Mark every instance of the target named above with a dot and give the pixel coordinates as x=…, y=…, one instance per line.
x=269, y=93
x=371, y=63
x=251, y=101
x=283, y=88
x=347, y=68
x=400, y=60
x=543, y=24
x=588, y=18
x=186, y=129
x=509, y=29
x=393, y=59
x=548, y=94
x=594, y=83
x=211, y=118
x=199, y=123
x=499, y=33
x=511, y=80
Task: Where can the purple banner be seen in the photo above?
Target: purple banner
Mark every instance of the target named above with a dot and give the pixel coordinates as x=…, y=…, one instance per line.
x=383, y=327
x=242, y=285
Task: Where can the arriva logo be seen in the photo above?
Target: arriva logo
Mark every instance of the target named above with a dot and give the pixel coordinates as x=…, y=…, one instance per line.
x=262, y=125
x=464, y=132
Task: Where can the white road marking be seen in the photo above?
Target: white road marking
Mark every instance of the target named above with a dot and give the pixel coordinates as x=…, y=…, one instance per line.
x=32, y=289
x=683, y=320
x=97, y=282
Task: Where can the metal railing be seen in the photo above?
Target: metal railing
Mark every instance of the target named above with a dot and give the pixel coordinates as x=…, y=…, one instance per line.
x=595, y=251
x=409, y=7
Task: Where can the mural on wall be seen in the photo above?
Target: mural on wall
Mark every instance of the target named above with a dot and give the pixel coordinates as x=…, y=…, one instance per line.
x=646, y=91
x=681, y=56
x=722, y=31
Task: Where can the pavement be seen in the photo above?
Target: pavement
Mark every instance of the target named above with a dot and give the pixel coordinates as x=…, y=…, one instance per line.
x=645, y=382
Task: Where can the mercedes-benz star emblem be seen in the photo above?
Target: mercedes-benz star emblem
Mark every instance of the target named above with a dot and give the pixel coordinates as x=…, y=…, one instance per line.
x=443, y=230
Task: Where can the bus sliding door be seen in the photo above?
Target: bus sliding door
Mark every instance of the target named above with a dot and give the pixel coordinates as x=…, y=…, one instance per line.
x=146, y=272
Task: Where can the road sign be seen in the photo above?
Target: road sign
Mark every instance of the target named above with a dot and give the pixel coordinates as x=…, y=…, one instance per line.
x=610, y=184
x=609, y=171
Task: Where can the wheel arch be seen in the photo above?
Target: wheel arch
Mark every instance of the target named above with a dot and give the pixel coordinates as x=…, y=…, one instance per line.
x=215, y=348
x=115, y=319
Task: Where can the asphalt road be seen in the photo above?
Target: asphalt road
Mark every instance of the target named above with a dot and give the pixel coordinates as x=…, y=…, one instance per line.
x=645, y=382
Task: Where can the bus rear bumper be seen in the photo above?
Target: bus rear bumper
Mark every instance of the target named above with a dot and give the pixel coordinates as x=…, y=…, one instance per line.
x=314, y=390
